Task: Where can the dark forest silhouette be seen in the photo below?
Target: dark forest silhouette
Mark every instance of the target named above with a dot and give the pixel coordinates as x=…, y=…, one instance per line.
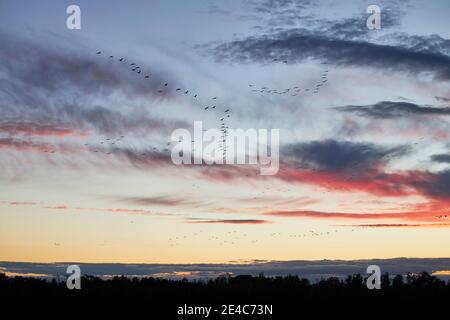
x=413, y=286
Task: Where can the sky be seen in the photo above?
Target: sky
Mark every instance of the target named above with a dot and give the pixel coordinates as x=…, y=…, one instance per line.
x=85, y=139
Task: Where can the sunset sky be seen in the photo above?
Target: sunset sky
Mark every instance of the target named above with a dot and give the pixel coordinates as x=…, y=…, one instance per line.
x=85, y=167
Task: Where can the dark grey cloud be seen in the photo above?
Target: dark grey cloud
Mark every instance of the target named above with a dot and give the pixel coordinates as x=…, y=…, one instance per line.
x=167, y=200
x=421, y=43
x=332, y=155
x=292, y=31
x=392, y=109
x=297, y=45
x=313, y=270
x=436, y=185
x=443, y=158
x=228, y=221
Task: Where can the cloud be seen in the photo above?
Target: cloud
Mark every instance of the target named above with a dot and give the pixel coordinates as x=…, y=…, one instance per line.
x=150, y=213
x=350, y=166
x=297, y=45
x=28, y=128
x=442, y=99
x=422, y=43
x=170, y=201
x=267, y=6
x=228, y=221
x=20, y=203
x=332, y=155
x=345, y=166
x=276, y=15
x=50, y=91
x=424, y=183
x=442, y=158
x=435, y=185
x=400, y=225
x=55, y=70
x=21, y=145
x=390, y=109
x=65, y=207
x=419, y=215
x=58, y=207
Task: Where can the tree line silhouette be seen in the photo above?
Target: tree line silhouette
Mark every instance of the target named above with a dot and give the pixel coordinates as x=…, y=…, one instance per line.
x=410, y=287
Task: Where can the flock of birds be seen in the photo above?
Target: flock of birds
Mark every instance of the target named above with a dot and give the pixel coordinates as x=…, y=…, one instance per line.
x=235, y=237
x=110, y=145
x=210, y=105
x=295, y=90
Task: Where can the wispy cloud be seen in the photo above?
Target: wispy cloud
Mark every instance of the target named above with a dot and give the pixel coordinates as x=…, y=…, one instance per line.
x=390, y=109
x=400, y=225
x=39, y=99
x=169, y=201
x=228, y=221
